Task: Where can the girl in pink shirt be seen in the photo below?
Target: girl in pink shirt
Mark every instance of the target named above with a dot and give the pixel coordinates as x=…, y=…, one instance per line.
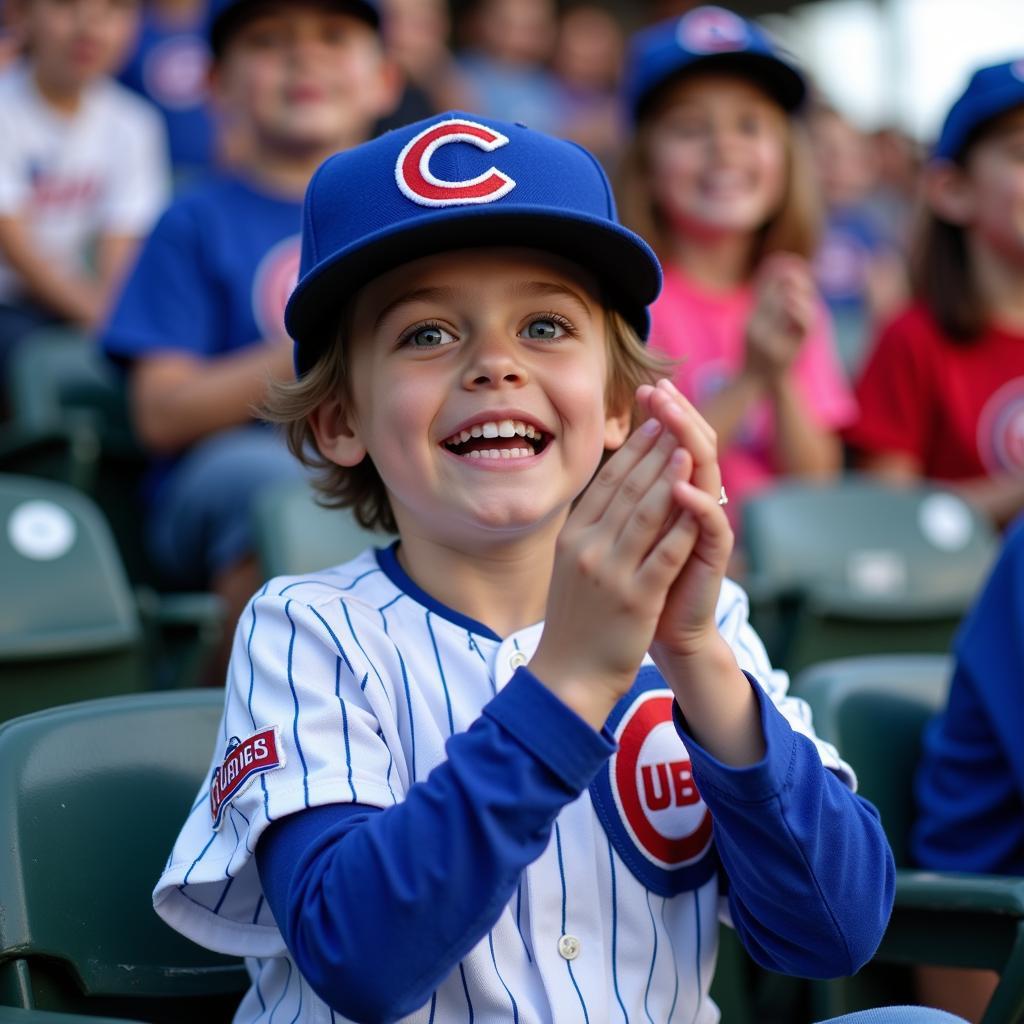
x=718, y=179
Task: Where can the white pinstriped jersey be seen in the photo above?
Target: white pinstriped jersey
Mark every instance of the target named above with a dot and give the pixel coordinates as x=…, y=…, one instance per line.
x=365, y=677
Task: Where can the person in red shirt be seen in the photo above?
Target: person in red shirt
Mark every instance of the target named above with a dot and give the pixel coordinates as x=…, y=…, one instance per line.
x=942, y=394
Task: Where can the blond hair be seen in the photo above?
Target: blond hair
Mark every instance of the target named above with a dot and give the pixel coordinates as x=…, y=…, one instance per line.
x=795, y=226
x=360, y=488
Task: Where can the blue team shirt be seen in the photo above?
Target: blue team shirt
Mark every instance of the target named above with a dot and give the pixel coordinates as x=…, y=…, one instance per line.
x=169, y=68
x=213, y=277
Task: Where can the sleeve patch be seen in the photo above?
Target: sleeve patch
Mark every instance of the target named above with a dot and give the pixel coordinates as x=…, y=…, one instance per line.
x=245, y=759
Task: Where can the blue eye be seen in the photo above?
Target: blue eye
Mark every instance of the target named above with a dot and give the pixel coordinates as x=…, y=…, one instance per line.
x=429, y=336
x=544, y=329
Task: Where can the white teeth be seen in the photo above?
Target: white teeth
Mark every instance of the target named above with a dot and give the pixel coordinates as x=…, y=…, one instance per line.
x=496, y=428
x=490, y=429
x=500, y=453
x=506, y=428
x=476, y=430
x=519, y=428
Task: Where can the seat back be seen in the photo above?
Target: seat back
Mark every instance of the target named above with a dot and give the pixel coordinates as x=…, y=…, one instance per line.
x=295, y=535
x=69, y=628
x=861, y=567
x=91, y=796
x=874, y=709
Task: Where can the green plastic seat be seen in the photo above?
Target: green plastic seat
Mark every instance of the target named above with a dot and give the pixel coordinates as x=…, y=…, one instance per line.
x=858, y=567
x=874, y=710
x=91, y=796
x=69, y=627
x=295, y=535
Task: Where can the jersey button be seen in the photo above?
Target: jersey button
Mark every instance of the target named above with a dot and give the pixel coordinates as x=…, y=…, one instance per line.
x=569, y=947
x=517, y=659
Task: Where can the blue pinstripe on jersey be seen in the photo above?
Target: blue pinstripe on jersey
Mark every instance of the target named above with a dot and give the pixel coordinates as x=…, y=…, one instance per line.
x=433, y=1007
x=654, y=956
x=672, y=960
x=615, y=933
x=295, y=700
x=444, y=681
x=512, y=998
x=259, y=977
x=568, y=963
x=519, y=927
x=408, y=695
x=334, y=638
x=344, y=728
x=696, y=917
x=259, y=907
x=465, y=988
x=474, y=646
x=298, y=1009
x=355, y=637
x=284, y=991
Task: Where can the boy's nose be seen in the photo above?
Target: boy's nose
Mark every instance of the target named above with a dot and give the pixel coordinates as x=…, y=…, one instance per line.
x=493, y=363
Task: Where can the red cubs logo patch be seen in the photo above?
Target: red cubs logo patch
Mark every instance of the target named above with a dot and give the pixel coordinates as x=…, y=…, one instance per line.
x=421, y=185
x=245, y=760
x=273, y=284
x=712, y=30
x=653, y=786
x=1000, y=435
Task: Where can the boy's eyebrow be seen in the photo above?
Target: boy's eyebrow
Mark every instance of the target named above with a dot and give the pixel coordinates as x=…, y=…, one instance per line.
x=438, y=293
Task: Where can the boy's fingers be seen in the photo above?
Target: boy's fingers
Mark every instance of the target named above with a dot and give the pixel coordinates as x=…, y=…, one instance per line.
x=606, y=483
x=692, y=432
x=635, y=487
x=715, y=540
x=666, y=559
x=646, y=520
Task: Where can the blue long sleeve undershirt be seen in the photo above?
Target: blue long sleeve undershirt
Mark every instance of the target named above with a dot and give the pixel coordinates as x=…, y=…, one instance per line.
x=811, y=875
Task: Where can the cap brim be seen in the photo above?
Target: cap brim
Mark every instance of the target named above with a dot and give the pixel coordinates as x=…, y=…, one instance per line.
x=778, y=79
x=625, y=266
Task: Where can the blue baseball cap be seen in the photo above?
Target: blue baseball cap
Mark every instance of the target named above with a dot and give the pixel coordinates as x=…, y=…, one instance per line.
x=992, y=91
x=457, y=181
x=223, y=15
x=708, y=39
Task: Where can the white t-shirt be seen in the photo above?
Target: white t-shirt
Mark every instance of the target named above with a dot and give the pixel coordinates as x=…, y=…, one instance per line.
x=101, y=171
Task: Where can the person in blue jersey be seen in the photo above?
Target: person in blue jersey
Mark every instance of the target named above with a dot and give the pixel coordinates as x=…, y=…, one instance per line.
x=514, y=766
x=199, y=323
x=169, y=66
x=970, y=780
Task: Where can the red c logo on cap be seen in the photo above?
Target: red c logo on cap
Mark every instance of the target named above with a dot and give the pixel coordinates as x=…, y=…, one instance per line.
x=412, y=170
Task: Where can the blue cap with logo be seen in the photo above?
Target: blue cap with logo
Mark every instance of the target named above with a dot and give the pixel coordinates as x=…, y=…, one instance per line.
x=712, y=39
x=223, y=15
x=458, y=181
x=992, y=90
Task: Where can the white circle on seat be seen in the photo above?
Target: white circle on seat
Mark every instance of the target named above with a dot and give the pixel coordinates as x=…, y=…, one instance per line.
x=945, y=522
x=41, y=530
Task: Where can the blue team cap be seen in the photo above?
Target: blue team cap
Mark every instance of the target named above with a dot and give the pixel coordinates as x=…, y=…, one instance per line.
x=223, y=15
x=458, y=181
x=711, y=39
x=992, y=91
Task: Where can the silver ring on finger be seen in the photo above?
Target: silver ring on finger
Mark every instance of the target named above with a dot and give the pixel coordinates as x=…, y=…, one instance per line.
x=723, y=498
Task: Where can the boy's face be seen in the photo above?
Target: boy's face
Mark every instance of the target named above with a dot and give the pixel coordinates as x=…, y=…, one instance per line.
x=450, y=350
x=302, y=77
x=74, y=42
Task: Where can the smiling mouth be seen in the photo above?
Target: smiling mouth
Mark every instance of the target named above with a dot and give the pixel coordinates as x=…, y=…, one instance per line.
x=498, y=439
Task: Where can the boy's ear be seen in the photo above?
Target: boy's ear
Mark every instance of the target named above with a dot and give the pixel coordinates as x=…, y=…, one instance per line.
x=336, y=438
x=950, y=192
x=616, y=428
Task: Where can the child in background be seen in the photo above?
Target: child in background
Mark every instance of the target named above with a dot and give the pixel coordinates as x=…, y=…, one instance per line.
x=478, y=796
x=942, y=394
x=199, y=324
x=83, y=165
x=718, y=178
x=169, y=67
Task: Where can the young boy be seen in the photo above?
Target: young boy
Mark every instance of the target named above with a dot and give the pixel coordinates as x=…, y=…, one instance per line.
x=83, y=165
x=473, y=776
x=200, y=322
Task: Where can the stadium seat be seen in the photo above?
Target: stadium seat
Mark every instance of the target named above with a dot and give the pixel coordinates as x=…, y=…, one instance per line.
x=857, y=567
x=874, y=709
x=295, y=535
x=69, y=626
x=91, y=796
